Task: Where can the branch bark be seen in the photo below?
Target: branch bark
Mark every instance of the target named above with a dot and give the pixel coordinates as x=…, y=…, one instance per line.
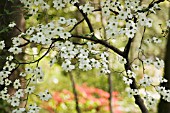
x=85, y=17
x=138, y=100
x=164, y=106
x=102, y=42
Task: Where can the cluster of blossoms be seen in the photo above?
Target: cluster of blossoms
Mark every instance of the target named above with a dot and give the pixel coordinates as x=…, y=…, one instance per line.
x=154, y=40
x=87, y=8
x=2, y=45
x=33, y=6
x=43, y=34
x=128, y=15
x=132, y=92
x=59, y=4
x=15, y=99
x=164, y=93
x=68, y=51
x=150, y=100
x=121, y=21
x=32, y=109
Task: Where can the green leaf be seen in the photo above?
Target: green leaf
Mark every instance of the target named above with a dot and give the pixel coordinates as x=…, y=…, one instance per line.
x=4, y=30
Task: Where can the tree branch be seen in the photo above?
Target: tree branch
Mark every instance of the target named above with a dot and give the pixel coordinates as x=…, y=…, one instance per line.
x=102, y=42
x=150, y=6
x=76, y=24
x=40, y=57
x=75, y=93
x=99, y=9
x=138, y=99
x=85, y=17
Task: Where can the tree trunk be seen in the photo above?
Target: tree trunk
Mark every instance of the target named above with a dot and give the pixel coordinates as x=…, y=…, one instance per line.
x=164, y=106
x=9, y=12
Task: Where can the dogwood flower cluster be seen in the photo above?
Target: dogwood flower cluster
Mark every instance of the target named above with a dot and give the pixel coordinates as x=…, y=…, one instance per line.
x=131, y=74
x=69, y=51
x=127, y=13
x=122, y=60
x=33, y=108
x=132, y=92
x=12, y=24
x=59, y=4
x=19, y=110
x=2, y=45
x=33, y=5
x=86, y=8
x=44, y=95
x=16, y=41
x=45, y=33
x=168, y=23
x=146, y=81
x=135, y=67
x=154, y=40
x=150, y=101
x=127, y=80
x=165, y=93
x=16, y=97
x=155, y=7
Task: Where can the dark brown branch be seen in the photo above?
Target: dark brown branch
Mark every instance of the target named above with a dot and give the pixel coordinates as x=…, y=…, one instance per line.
x=138, y=100
x=164, y=106
x=127, y=48
x=102, y=42
x=142, y=37
x=150, y=6
x=85, y=17
x=76, y=24
x=115, y=12
x=75, y=93
x=22, y=45
x=40, y=57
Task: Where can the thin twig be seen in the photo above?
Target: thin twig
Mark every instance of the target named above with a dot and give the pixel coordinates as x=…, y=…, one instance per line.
x=102, y=42
x=75, y=93
x=85, y=17
x=76, y=25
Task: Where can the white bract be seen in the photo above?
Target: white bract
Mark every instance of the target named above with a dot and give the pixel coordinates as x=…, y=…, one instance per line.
x=44, y=95
x=159, y=63
x=19, y=93
x=15, y=50
x=2, y=45
x=29, y=89
x=131, y=74
x=146, y=81
x=127, y=81
x=168, y=23
x=16, y=84
x=19, y=110
x=156, y=40
x=87, y=8
x=135, y=67
x=12, y=24
x=122, y=60
x=67, y=66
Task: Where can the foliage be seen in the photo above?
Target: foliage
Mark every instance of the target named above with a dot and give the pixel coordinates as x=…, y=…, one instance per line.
x=91, y=100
